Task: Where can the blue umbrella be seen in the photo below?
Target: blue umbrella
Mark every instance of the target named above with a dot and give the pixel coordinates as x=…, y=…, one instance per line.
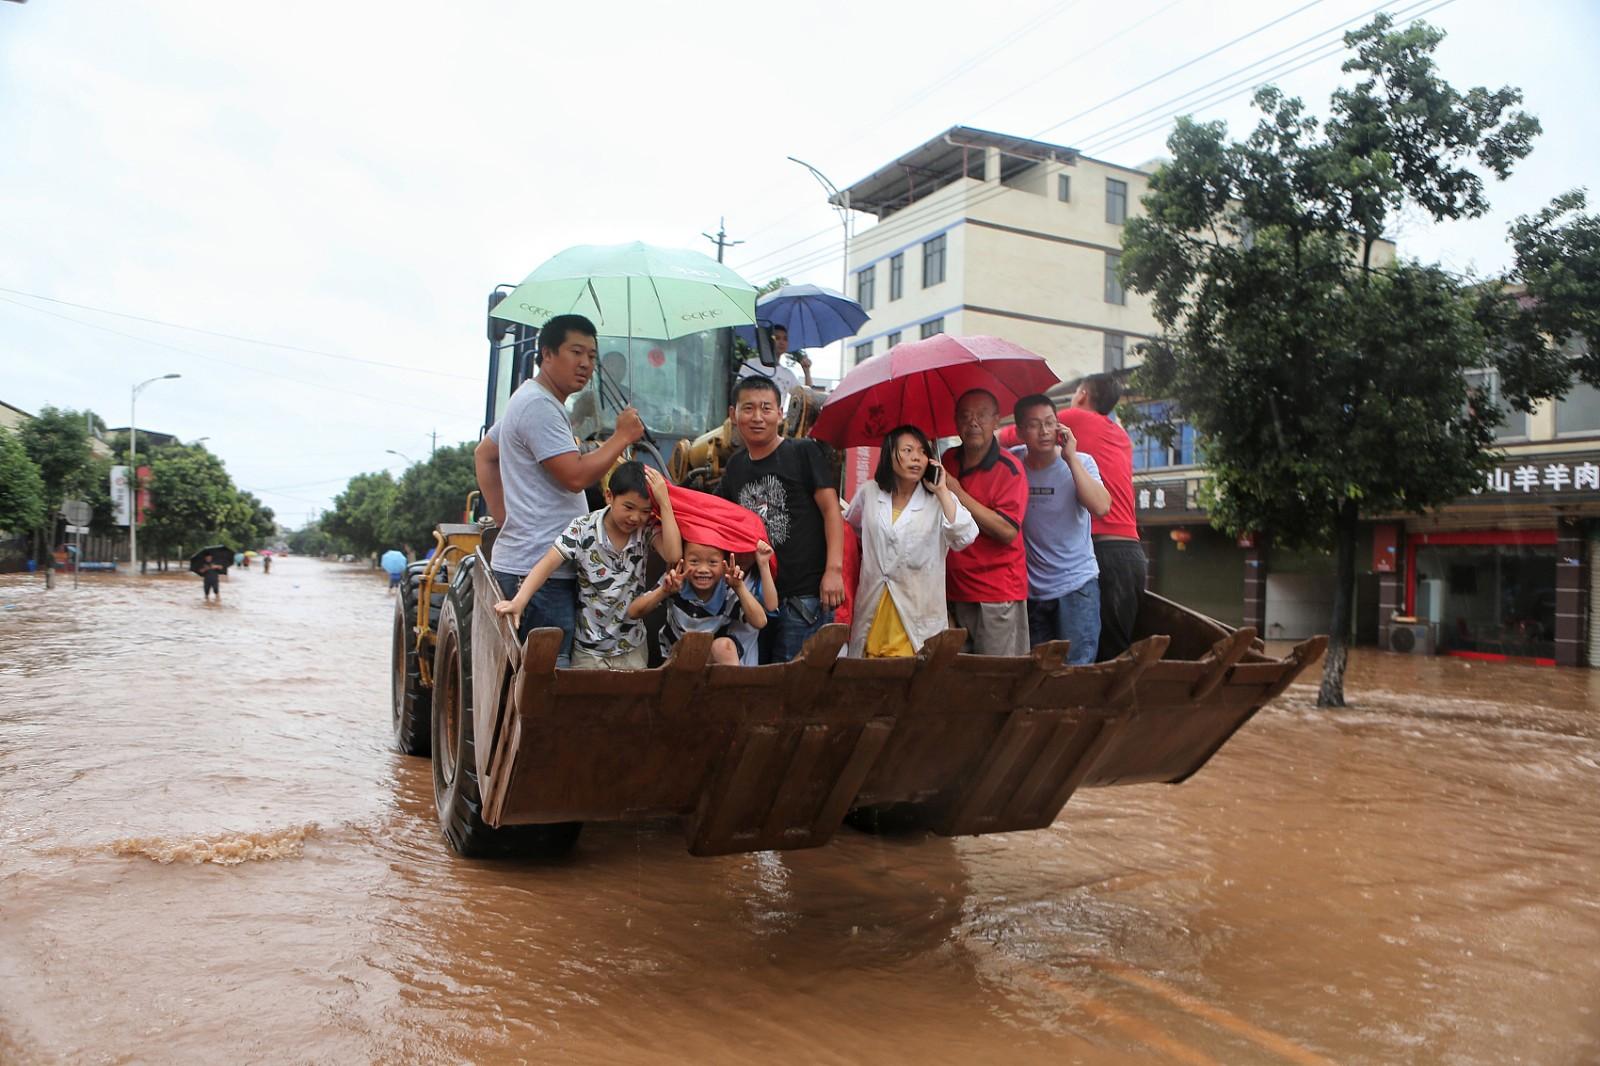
x=813, y=315
x=392, y=561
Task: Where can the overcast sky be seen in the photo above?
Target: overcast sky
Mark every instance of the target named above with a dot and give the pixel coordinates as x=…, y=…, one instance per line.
x=353, y=178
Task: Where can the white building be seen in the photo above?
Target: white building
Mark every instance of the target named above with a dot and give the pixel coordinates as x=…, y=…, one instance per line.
x=980, y=233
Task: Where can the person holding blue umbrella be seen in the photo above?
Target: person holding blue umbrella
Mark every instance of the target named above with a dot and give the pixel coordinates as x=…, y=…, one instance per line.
x=781, y=375
x=394, y=564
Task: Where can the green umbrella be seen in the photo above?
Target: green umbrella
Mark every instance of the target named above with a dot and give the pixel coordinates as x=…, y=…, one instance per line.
x=634, y=290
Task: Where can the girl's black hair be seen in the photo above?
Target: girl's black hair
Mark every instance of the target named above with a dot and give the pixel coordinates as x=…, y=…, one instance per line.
x=884, y=475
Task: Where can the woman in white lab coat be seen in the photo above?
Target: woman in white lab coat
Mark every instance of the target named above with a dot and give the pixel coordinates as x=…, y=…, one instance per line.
x=908, y=519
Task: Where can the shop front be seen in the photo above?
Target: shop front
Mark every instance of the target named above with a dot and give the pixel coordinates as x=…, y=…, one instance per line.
x=1490, y=594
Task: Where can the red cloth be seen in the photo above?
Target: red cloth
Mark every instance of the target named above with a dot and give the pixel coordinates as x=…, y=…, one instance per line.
x=1007, y=435
x=852, y=574
x=987, y=571
x=707, y=519
x=1113, y=454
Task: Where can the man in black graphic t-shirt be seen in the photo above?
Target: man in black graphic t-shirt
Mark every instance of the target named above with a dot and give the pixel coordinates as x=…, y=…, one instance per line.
x=787, y=483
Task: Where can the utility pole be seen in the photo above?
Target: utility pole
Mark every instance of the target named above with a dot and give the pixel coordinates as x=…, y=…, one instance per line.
x=433, y=446
x=721, y=239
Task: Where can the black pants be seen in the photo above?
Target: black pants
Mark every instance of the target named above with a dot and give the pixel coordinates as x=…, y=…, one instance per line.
x=1122, y=577
x=213, y=584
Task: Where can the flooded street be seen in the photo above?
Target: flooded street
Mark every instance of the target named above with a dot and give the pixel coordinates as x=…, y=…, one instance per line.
x=209, y=852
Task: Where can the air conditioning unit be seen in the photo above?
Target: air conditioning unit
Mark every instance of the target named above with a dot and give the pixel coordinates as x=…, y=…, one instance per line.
x=1412, y=638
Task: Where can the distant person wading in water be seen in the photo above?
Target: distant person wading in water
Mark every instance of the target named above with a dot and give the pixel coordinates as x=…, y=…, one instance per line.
x=211, y=575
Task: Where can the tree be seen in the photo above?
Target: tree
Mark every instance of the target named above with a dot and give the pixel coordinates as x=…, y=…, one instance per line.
x=1549, y=315
x=58, y=443
x=1323, y=385
x=313, y=539
x=22, y=506
x=191, y=500
x=432, y=492
x=248, y=523
x=97, y=493
x=771, y=286
x=363, y=514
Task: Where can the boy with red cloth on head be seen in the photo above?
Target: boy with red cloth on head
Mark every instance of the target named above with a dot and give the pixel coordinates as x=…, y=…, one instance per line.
x=1116, y=535
x=708, y=592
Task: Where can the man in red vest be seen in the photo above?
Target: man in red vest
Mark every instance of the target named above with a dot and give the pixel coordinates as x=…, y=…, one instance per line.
x=1116, y=535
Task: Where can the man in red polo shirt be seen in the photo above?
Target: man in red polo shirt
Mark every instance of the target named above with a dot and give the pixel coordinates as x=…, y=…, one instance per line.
x=1116, y=535
x=987, y=582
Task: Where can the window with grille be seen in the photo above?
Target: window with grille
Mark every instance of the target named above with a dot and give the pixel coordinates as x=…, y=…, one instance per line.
x=933, y=261
x=1116, y=201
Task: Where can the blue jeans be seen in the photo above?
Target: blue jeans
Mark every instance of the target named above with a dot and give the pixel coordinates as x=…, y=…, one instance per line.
x=789, y=626
x=1074, y=617
x=554, y=606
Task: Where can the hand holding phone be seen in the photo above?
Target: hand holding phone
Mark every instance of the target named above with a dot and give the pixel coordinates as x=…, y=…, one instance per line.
x=934, y=474
x=1066, y=441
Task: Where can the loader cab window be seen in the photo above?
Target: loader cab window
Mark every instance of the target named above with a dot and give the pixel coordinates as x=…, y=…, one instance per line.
x=680, y=386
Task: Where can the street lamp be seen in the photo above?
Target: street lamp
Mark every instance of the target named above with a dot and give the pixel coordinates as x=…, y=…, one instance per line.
x=198, y=441
x=407, y=458
x=133, y=468
x=841, y=202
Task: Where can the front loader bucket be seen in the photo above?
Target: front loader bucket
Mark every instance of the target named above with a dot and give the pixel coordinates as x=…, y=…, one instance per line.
x=1188, y=704
x=774, y=757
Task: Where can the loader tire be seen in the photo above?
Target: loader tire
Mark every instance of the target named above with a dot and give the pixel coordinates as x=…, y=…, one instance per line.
x=411, y=704
x=455, y=768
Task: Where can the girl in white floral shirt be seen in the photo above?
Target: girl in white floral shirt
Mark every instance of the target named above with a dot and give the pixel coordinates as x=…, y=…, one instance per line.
x=608, y=548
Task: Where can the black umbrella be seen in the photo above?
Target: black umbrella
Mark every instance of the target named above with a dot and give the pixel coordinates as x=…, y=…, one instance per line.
x=216, y=555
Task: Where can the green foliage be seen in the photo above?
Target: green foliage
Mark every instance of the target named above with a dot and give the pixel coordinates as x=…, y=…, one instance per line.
x=192, y=500
x=363, y=514
x=1322, y=387
x=22, y=506
x=58, y=443
x=97, y=493
x=248, y=523
x=432, y=492
x=313, y=539
x=1550, y=320
x=771, y=286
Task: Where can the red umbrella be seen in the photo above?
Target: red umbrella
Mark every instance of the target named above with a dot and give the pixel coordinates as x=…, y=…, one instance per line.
x=918, y=383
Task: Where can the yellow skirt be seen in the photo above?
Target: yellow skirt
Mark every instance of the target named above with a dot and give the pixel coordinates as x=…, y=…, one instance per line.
x=887, y=638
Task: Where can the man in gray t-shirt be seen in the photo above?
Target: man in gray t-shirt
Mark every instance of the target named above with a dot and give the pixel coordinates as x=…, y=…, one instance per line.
x=532, y=474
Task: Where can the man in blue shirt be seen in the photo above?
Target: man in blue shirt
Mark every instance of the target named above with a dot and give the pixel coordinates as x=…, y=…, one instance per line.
x=1064, y=492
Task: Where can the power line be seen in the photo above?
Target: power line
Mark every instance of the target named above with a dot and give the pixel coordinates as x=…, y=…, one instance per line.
x=1181, y=66
x=1316, y=55
x=789, y=267
x=1086, y=53
x=958, y=72
x=236, y=337
x=1121, y=125
x=217, y=359
x=912, y=218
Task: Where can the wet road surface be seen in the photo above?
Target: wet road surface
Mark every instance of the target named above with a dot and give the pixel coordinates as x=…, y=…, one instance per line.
x=208, y=852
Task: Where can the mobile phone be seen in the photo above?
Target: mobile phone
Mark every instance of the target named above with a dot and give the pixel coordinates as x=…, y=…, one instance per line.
x=932, y=474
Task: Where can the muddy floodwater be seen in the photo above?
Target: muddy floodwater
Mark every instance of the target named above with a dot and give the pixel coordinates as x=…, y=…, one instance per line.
x=210, y=853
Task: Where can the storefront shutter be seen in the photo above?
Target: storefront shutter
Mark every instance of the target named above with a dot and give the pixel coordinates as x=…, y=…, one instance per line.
x=1594, y=598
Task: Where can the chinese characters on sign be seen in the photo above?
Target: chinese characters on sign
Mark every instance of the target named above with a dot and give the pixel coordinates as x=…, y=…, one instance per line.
x=1543, y=477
